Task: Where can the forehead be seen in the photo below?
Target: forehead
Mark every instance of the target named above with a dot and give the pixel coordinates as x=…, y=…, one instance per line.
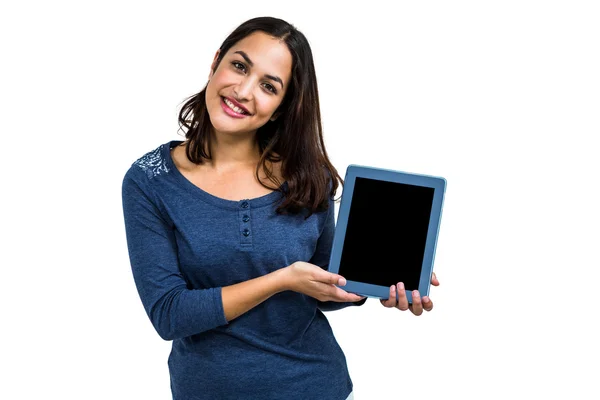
x=270, y=55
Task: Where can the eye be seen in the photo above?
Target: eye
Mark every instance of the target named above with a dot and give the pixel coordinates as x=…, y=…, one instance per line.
x=270, y=88
x=238, y=65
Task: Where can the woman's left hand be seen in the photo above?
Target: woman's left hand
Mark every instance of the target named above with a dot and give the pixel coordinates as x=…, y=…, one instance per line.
x=418, y=304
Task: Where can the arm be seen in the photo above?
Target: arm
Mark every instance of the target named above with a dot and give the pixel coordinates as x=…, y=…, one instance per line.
x=243, y=296
x=174, y=310
x=321, y=258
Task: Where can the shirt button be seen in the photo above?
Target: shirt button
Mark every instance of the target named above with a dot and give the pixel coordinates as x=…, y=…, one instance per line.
x=246, y=232
x=244, y=204
x=245, y=218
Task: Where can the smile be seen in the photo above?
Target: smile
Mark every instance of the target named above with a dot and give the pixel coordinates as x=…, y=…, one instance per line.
x=232, y=107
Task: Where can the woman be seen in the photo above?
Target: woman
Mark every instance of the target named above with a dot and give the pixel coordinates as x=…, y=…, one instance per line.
x=229, y=232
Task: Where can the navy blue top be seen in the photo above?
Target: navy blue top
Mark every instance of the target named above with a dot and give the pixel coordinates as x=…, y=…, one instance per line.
x=185, y=245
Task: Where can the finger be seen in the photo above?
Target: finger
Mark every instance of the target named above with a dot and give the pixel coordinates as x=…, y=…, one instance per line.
x=343, y=296
x=427, y=303
x=417, y=306
x=334, y=279
x=318, y=274
x=402, y=299
x=434, y=280
x=391, y=301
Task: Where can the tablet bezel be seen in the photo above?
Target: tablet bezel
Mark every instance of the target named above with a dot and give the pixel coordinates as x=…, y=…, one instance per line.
x=354, y=171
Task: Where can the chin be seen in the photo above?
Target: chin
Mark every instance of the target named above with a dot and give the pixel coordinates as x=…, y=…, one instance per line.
x=225, y=124
x=232, y=128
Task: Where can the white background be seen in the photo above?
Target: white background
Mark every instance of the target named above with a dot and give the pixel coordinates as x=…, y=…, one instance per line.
x=500, y=98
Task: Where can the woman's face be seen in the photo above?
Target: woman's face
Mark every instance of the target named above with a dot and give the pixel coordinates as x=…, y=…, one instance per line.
x=249, y=84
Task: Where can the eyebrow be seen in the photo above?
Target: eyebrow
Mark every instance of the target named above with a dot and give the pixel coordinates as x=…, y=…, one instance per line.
x=273, y=78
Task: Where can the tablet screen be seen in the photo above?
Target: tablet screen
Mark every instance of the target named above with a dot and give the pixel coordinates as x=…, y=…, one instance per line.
x=386, y=233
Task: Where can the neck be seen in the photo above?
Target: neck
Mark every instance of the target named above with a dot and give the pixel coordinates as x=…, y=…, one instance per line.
x=233, y=152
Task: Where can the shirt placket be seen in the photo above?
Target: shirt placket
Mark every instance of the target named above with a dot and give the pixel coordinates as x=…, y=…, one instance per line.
x=244, y=217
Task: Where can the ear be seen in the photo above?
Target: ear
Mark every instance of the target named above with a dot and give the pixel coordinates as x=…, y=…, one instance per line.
x=214, y=64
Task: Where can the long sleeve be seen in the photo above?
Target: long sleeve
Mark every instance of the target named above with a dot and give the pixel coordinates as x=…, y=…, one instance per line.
x=174, y=310
x=321, y=258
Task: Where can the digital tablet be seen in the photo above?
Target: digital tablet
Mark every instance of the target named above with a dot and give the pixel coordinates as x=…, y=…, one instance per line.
x=386, y=231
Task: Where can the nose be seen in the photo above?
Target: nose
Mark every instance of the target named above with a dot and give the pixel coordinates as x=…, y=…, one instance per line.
x=243, y=90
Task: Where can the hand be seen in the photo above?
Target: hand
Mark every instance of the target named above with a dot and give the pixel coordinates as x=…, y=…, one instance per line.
x=314, y=281
x=418, y=304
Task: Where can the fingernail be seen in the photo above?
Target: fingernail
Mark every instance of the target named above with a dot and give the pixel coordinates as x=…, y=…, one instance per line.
x=425, y=299
x=401, y=286
x=415, y=293
x=393, y=288
x=342, y=282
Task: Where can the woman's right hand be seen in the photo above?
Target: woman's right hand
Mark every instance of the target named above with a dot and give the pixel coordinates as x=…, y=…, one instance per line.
x=314, y=281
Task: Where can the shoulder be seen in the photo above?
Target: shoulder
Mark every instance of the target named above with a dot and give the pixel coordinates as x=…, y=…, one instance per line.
x=153, y=162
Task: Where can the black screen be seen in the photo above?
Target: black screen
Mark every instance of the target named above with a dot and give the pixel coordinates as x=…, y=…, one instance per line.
x=386, y=233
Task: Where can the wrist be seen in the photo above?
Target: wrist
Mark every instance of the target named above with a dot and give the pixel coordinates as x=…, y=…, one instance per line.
x=280, y=279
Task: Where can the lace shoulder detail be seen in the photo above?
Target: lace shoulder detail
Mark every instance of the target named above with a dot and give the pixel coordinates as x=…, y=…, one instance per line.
x=153, y=163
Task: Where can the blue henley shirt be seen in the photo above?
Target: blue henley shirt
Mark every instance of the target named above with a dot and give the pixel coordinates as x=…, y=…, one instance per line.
x=185, y=245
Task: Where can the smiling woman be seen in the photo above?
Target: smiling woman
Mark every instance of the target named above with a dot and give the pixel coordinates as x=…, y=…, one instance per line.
x=230, y=231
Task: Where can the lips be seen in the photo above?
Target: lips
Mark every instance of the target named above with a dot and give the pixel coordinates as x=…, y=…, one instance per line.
x=235, y=103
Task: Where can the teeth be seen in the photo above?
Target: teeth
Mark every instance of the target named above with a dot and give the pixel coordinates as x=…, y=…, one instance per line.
x=234, y=108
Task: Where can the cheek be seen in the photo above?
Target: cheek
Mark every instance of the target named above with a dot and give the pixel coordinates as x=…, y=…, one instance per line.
x=221, y=78
x=268, y=105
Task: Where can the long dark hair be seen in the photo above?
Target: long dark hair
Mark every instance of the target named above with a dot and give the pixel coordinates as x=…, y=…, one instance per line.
x=296, y=135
